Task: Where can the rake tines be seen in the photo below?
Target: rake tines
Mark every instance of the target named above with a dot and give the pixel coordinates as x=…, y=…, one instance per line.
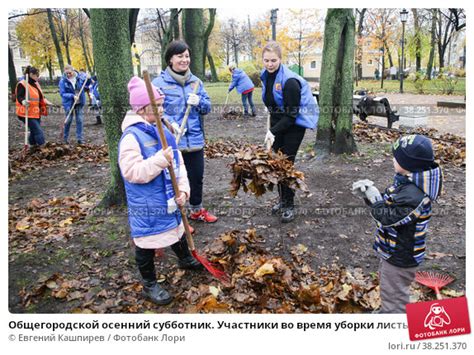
x=433, y=280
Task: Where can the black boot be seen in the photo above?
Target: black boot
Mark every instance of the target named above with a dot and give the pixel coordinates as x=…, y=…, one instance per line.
x=99, y=120
x=288, y=214
x=145, y=259
x=185, y=259
x=155, y=293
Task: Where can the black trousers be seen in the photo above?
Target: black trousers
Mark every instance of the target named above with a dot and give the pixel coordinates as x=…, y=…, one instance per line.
x=194, y=163
x=288, y=142
x=145, y=258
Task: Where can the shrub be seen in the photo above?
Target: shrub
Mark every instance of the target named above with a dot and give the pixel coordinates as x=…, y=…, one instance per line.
x=418, y=82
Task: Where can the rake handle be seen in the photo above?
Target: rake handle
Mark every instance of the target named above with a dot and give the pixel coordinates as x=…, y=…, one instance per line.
x=164, y=144
x=186, y=115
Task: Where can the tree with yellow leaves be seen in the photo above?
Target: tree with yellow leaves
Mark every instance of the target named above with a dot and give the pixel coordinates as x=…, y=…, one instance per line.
x=36, y=41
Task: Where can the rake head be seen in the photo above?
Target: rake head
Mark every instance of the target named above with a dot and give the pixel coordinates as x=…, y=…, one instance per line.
x=433, y=280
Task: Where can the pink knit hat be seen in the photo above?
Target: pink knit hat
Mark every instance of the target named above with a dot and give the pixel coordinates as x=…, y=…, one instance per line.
x=139, y=95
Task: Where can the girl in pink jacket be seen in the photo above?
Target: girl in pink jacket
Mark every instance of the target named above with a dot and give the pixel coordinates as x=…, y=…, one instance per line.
x=155, y=220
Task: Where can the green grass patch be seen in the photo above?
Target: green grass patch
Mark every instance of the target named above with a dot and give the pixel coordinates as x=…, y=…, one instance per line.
x=434, y=87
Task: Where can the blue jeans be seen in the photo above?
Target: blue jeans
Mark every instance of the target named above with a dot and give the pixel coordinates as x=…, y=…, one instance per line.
x=248, y=97
x=79, y=114
x=36, y=136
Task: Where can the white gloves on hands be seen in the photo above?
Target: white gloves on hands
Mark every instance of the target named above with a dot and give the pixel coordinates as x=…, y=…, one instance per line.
x=269, y=138
x=366, y=189
x=25, y=103
x=193, y=100
x=177, y=129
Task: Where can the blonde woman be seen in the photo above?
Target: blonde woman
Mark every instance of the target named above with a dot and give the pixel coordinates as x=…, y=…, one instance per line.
x=292, y=109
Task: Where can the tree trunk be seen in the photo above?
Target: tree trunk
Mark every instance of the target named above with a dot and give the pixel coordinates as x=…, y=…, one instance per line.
x=132, y=23
x=49, y=66
x=65, y=36
x=207, y=33
x=55, y=40
x=11, y=73
x=193, y=27
x=174, y=23
x=335, y=120
x=416, y=21
x=214, y=76
x=429, y=67
x=360, y=29
x=111, y=48
x=390, y=60
x=83, y=43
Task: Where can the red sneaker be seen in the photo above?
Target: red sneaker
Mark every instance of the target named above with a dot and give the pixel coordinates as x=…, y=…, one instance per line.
x=203, y=215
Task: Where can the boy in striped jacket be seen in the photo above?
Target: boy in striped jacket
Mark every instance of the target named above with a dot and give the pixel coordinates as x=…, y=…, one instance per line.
x=402, y=215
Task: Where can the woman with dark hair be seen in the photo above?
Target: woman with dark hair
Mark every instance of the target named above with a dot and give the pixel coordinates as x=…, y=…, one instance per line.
x=35, y=106
x=292, y=110
x=178, y=84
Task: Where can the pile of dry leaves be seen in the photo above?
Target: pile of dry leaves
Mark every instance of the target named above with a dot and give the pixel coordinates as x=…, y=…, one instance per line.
x=231, y=114
x=220, y=148
x=449, y=148
x=263, y=283
x=258, y=170
x=52, y=154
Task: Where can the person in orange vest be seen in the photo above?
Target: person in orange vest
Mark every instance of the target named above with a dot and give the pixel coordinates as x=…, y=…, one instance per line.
x=36, y=106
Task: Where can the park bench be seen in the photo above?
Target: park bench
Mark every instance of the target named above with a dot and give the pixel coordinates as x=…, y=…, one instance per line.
x=364, y=105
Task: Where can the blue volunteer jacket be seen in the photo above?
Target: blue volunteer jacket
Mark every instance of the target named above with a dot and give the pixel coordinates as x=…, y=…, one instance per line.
x=309, y=111
x=147, y=203
x=67, y=91
x=175, y=107
x=240, y=81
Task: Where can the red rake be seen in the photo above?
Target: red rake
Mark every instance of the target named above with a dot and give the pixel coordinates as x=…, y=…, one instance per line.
x=219, y=274
x=434, y=280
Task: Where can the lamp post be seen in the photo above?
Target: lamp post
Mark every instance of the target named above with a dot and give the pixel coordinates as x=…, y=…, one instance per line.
x=273, y=21
x=403, y=19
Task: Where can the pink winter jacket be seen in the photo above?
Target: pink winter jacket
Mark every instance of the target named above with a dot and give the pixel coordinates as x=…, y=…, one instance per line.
x=137, y=170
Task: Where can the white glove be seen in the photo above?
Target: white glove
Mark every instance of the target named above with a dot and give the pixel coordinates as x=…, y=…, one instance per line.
x=193, y=100
x=25, y=103
x=76, y=98
x=269, y=138
x=372, y=194
x=359, y=187
x=177, y=129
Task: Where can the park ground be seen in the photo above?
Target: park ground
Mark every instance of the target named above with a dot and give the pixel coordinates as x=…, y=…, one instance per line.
x=64, y=258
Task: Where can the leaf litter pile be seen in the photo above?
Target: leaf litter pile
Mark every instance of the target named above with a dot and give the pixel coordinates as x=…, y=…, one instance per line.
x=221, y=148
x=264, y=283
x=449, y=148
x=52, y=154
x=257, y=170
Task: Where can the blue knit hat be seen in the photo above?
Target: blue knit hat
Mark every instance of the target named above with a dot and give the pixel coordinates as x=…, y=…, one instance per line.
x=413, y=152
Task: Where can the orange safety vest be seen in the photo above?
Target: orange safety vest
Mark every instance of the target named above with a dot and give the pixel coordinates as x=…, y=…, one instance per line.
x=37, y=105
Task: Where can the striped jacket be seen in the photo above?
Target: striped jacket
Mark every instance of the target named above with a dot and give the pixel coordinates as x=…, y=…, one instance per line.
x=403, y=217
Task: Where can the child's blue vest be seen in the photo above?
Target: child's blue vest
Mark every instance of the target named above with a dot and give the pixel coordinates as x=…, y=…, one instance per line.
x=147, y=203
x=309, y=111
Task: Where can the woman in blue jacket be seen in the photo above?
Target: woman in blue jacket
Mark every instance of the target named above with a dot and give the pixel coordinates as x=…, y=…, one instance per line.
x=292, y=110
x=244, y=86
x=178, y=83
x=69, y=87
